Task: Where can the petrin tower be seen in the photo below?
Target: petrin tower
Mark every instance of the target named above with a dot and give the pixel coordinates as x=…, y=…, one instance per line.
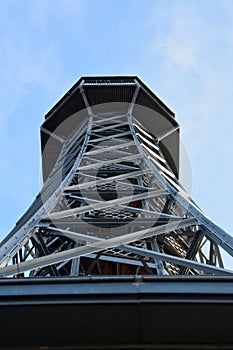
x=113, y=215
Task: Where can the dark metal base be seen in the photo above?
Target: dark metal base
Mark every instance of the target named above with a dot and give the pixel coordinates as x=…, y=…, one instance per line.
x=117, y=313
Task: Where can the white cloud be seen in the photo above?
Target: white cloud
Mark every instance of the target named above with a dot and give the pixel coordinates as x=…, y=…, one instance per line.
x=192, y=52
x=195, y=52
x=31, y=49
x=176, y=36
x=63, y=12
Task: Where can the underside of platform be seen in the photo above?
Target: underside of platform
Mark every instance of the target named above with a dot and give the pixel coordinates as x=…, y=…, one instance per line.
x=117, y=313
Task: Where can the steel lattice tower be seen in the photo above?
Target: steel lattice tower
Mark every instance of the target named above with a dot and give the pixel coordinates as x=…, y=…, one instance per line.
x=111, y=205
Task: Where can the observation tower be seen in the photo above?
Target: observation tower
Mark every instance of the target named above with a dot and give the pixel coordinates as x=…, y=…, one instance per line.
x=113, y=253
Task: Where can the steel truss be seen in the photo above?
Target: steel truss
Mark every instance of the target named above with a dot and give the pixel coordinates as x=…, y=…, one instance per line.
x=116, y=208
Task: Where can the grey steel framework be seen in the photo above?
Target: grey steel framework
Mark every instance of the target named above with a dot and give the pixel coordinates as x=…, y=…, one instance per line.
x=112, y=203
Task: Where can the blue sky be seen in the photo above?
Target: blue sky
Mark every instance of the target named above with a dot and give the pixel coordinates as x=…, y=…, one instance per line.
x=183, y=50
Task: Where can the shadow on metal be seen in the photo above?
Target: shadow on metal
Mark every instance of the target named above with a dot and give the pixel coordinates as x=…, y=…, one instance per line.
x=141, y=312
